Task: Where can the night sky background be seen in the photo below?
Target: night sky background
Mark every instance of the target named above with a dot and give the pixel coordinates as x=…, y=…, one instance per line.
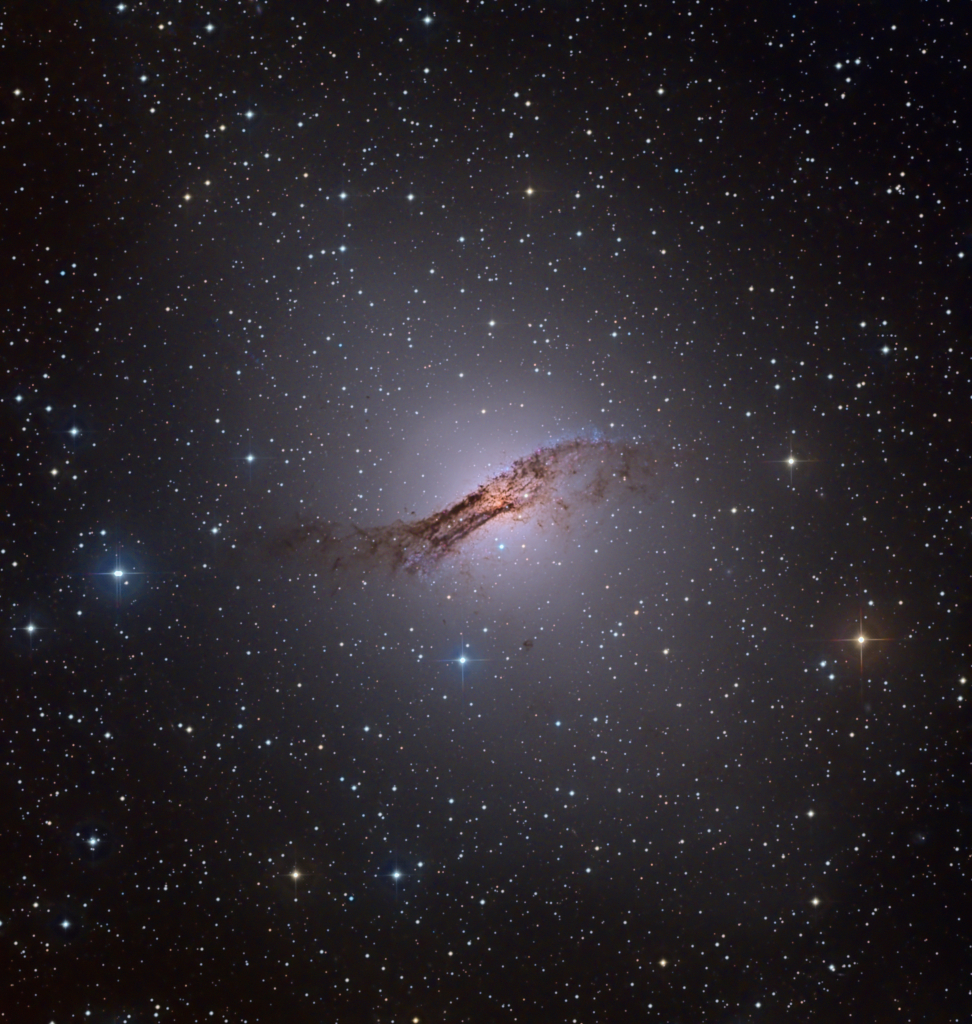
x=696, y=750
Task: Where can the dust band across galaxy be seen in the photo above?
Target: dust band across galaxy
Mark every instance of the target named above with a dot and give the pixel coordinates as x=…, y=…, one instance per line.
x=553, y=485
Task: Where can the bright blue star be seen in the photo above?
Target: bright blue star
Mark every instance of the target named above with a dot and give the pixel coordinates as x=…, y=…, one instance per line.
x=462, y=659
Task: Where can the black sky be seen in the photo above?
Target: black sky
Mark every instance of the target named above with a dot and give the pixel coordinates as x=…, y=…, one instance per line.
x=691, y=750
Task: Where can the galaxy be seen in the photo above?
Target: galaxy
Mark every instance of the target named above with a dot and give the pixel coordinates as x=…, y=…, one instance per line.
x=486, y=513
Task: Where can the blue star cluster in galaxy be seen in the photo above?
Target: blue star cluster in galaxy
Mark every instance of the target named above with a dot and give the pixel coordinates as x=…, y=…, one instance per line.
x=486, y=526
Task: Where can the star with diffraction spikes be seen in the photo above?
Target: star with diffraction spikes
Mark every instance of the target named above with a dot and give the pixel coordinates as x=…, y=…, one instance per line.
x=861, y=639
x=462, y=660
x=119, y=576
x=397, y=871
x=299, y=875
x=791, y=462
x=31, y=631
x=250, y=461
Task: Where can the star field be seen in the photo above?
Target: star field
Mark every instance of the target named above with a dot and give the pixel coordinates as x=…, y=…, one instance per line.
x=486, y=525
